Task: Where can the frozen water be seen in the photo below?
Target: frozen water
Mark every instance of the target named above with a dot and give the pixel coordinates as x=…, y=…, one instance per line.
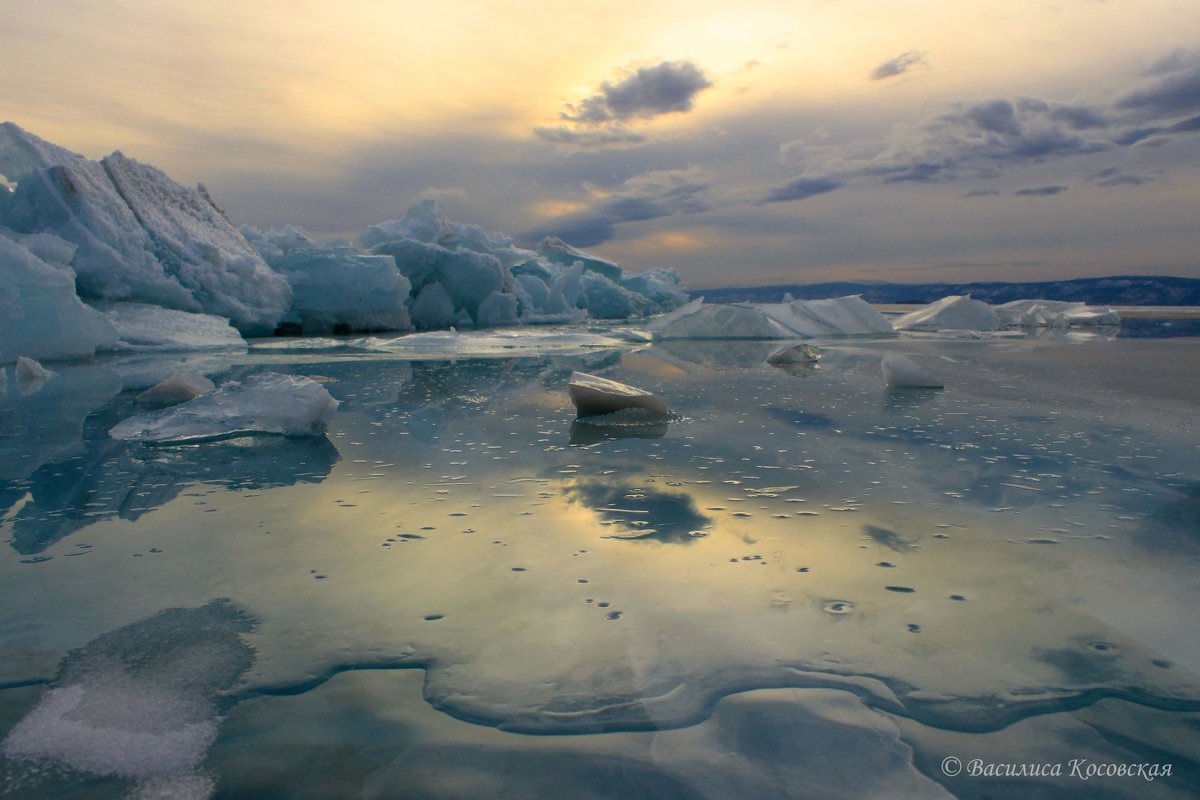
x=794, y=354
x=1054, y=314
x=337, y=289
x=901, y=372
x=837, y=316
x=592, y=394
x=31, y=375
x=842, y=316
x=556, y=251
x=179, y=388
x=799, y=587
x=140, y=702
x=264, y=403
x=956, y=312
x=140, y=235
x=142, y=327
x=40, y=315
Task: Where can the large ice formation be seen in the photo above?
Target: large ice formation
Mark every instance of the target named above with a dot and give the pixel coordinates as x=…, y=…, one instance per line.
x=956, y=312
x=592, y=395
x=1054, y=314
x=842, y=316
x=901, y=372
x=144, y=327
x=266, y=403
x=140, y=235
x=40, y=314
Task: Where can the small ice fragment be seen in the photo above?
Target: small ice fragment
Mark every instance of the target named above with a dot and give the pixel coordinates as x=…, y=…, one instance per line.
x=290, y=405
x=179, y=388
x=901, y=372
x=29, y=372
x=794, y=354
x=595, y=395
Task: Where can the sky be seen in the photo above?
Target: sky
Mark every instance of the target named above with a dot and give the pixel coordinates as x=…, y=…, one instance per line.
x=762, y=143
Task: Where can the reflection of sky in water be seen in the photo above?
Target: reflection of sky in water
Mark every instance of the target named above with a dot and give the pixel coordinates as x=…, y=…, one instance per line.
x=1013, y=549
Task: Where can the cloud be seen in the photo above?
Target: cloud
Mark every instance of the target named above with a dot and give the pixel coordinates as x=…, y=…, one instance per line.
x=899, y=65
x=1113, y=176
x=1174, y=89
x=651, y=195
x=798, y=188
x=597, y=137
x=982, y=193
x=665, y=88
x=1040, y=191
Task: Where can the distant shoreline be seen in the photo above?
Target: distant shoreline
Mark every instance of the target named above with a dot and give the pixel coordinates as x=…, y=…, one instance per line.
x=1121, y=291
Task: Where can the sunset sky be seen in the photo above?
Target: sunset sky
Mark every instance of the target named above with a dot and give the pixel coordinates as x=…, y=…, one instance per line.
x=762, y=142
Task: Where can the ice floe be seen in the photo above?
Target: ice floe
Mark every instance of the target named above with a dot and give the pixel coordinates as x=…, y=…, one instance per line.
x=140, y=702
x=956, y=312
x=1054, y=314
x=901, y=372
x=592, y=395
x=145, y=327
x=842, y=316
x=265, y=403
x=31, y=375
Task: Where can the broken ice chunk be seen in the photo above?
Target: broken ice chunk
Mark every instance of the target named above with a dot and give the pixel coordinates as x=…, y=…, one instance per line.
x=290, y=405
x=901, y=372
x=179, y=388
x=31, y=375
x=794, y=354
x=592, y=394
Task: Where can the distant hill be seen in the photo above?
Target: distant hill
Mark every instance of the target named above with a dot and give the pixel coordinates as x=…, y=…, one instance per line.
x=1114, y=291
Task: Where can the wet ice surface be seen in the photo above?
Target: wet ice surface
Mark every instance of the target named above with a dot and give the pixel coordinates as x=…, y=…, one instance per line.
x=801, y=585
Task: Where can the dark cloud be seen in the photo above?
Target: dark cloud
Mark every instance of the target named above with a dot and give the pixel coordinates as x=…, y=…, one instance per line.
x=665, y=88
x=982, y=193
x=652, y=195
x=798, y=189
x=1114, y=177
x=1040, y=191
x=1173, y=91
x=899, y=65
x=594, y=137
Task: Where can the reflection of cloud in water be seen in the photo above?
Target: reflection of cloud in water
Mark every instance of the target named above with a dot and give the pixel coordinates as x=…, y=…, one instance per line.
x=114, y=479
x=890, y=538
x=800, y=419
x=641, y=513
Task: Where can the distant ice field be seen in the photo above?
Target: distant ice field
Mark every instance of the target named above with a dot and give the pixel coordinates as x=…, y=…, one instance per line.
x=802, y=584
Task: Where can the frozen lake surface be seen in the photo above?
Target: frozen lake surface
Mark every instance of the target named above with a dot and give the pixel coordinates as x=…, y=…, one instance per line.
x=802, y=585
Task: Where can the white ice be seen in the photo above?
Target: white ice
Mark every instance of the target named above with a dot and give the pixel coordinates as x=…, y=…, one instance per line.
x=1054, y=314
x=901, y=372
x=592, y=394
x=526, y=341
x=842, y=316
x=142, y=327
x=140, y=235
x=266, y=403
x=336, y=288
x=179, y=388
x=40, y=315
x=956, y=312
